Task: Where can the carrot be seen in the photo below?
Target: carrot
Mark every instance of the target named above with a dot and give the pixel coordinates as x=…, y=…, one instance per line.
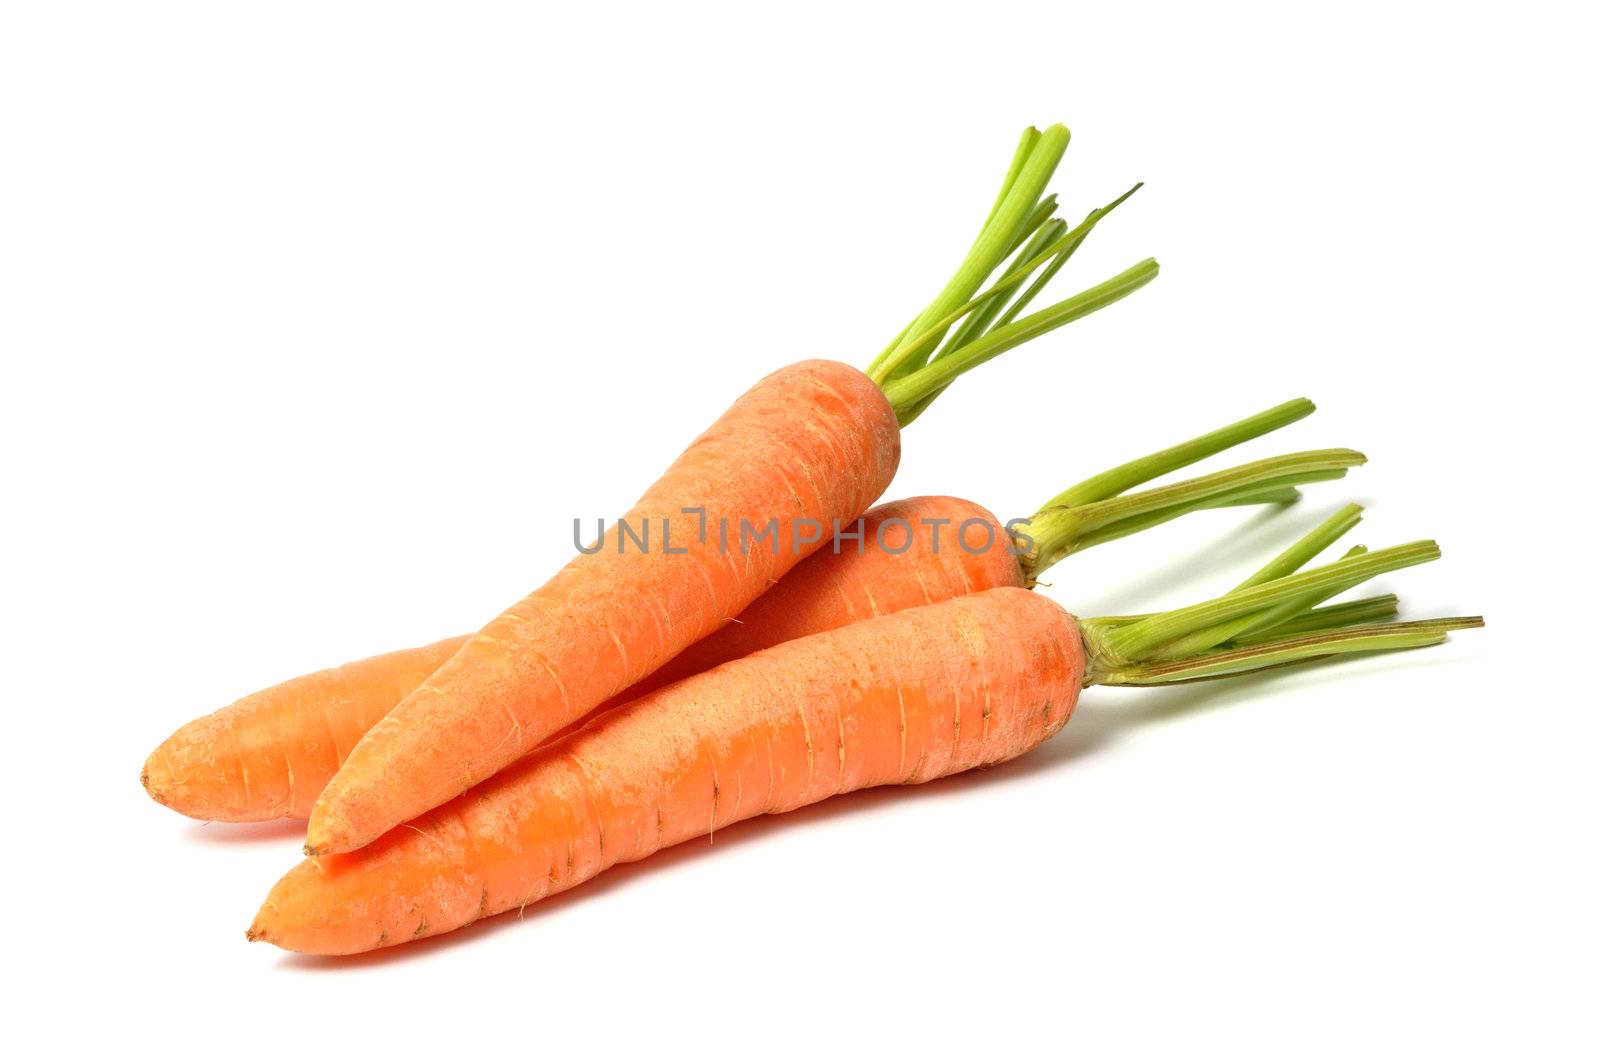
x=268, y=755
x=905, y=698
x=810, y=445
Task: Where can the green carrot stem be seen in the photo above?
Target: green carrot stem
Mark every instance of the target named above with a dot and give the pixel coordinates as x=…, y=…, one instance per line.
x=1041, y=214
x=1069, y=245
x=1132, y=642
x=1238, y=627
x=1286, y=563
x=978, y=320
x=1327, y=618
x=1060, y=530
x=913, y=348
x=1268, y=619
x=1364, y=639
x=906, y=392
x=1142, y=470
x=1345, y=614
x=1019, y=223
x=1019, y=159
x=1269, y=495
x=1249, y=475
x=1031, y=167
x=1309, y=546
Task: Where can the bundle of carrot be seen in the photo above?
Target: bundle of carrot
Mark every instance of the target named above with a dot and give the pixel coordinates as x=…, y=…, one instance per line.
x=271, y=753
x=632, y=690
x=901, y=698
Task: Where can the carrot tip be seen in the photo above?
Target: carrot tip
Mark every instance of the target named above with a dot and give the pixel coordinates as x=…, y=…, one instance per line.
x=310, y=850
x=157, y=783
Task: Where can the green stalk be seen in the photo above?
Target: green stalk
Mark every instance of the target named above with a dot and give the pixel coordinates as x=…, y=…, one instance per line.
x=1019, y=159
x=1366, y=639
x=905, y=393
x=913, y=346
x=994, y=300
x=1135, y=642
x=1285, y=564
x=1055, y=248
x=1240, y=627
x=1031, y=167
x=1142, y=470
x=1069, y=245
x=1313, y=543
x=1060, y=530
x=1041, y=214
x=1267, y=493
x=1021, y=227
x=1328, y=618
x=1268, y=621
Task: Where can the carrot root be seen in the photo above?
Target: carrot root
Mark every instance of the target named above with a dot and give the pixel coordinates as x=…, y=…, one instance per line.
x=899, y=699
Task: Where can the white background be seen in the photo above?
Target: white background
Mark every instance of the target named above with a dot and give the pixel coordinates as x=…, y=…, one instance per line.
x=321, y=321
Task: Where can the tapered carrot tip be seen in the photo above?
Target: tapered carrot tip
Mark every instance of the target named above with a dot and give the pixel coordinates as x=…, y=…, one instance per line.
x=348, y=828
x=339, y=905
x=323, y=841
x=271, y=924
x=156, y=778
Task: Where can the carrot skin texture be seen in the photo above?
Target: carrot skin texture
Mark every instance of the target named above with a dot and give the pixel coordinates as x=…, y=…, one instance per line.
x=268, y=755
x=813, y=441
x=828, y=590
x=923, y=693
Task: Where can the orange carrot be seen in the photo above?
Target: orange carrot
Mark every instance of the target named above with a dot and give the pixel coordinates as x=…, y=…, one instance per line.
x=808, y=446
x=268, y=754
x=904, y=698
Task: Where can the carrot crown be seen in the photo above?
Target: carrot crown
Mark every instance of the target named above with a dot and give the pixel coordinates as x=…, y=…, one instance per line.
x=965, y=327
x=1274, y=618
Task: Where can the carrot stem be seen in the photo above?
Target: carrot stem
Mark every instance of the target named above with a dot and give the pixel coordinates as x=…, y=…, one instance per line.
x=988, y=305
x=1021, y=227
x=1117, y=645
x=1060, y=530
x=1260, y=496
x=1257, y=658
x=1019, y=159
x=1229, y=631
x=1031, y=167
x=1041, y=214
x=1268, y=621
x=913, y=346
x=1313, y=543
x=1328, y=618
x=905, y=393
x=1051, y=248
x=1285, y=564
x=1069, y=245
x=975, y=309
x=1142, y=470
x=1267, y=493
